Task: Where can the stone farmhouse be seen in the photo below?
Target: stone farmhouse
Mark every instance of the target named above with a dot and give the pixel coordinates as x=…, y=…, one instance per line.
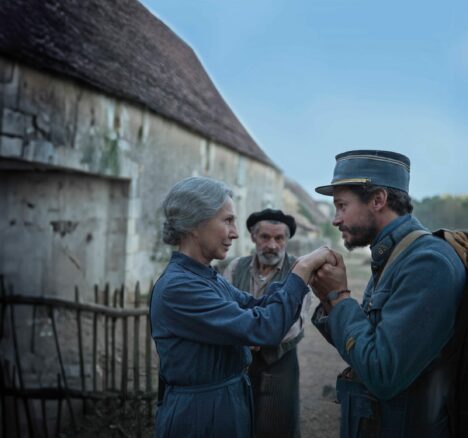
x=102, y=109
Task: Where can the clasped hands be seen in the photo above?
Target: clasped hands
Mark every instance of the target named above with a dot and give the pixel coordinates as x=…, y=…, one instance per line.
x=324, y=271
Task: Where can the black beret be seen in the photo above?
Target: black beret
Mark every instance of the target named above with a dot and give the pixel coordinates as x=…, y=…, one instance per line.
x=272, y=215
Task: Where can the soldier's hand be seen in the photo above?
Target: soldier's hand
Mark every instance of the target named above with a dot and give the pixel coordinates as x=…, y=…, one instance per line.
x=306, y=265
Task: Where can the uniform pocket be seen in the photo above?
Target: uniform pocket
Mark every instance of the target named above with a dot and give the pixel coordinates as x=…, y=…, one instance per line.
x=359, y=409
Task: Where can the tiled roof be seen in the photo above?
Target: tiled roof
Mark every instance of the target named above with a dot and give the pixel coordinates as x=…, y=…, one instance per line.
x=119, y=47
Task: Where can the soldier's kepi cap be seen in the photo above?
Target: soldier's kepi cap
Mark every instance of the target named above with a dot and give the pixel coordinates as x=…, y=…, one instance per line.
x=272, y=215
x=369, y=167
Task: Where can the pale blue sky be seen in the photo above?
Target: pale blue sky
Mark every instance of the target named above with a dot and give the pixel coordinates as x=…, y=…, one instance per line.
x=313, y=78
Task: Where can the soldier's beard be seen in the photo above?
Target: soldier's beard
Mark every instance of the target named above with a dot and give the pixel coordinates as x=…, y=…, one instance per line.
x=360, y=235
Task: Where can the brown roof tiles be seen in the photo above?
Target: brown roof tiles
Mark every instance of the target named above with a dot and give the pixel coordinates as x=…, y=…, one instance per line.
x=120, y=48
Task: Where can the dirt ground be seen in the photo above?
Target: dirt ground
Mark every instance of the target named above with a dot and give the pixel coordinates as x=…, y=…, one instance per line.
x=320, y=363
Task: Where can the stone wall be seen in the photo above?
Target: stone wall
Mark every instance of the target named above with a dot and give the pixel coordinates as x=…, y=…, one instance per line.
x=59, y=226
x=82, y=176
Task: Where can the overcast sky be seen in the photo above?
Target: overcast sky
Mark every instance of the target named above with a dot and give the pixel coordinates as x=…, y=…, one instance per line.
x=313, y=78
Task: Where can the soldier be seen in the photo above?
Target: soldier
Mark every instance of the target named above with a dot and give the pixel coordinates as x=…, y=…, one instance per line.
x=400, y=378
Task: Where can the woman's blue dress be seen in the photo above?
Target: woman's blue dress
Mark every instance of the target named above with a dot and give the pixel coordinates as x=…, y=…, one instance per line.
x=202, y=327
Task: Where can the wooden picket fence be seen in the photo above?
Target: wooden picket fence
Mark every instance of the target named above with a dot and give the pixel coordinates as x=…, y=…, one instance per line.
x=119, y=369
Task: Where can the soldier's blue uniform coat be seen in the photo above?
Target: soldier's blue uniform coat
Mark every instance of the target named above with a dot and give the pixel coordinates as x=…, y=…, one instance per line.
x=202, y=327
x=398, y=332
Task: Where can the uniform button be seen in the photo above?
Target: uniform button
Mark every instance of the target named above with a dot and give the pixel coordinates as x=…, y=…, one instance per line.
x=350, y=343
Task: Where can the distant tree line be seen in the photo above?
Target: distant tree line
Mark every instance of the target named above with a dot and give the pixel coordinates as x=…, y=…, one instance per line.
x=443, y=212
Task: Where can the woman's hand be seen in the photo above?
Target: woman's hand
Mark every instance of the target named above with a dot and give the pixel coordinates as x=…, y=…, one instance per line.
x=306, y=265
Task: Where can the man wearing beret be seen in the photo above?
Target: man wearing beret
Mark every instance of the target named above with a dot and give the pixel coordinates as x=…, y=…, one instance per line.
x=396, y=341
x=274, y=371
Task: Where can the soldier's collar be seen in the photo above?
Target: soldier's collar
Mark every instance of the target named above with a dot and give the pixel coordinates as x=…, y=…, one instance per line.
x=386, y=240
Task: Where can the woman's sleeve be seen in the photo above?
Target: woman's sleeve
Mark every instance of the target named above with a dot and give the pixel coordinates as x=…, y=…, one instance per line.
x=195, y=309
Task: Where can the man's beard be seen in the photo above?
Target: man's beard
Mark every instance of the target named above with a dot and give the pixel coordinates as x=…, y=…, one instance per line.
x=360, y=236
x=271, y=258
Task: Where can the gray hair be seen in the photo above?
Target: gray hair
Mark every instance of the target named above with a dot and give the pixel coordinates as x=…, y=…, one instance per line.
x=191, y=201
x=255, y=228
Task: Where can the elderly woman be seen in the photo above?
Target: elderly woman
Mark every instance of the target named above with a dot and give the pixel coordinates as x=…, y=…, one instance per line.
x=202, y=325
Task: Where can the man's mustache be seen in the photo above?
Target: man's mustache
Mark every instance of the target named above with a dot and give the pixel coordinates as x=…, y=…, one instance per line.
x=270, y=253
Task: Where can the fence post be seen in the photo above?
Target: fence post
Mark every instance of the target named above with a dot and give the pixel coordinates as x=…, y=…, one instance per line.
x=136, y=359
x=149, y=386
x=80, y=347
x=62, y=368
x=59, y=408
x=9, y=413
x=18, y=366
x=106, y=340
x=44, y=417
x=114, y=322
x=136, y=343
x=123, y=386
x=16, y=405
x=95, y=335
